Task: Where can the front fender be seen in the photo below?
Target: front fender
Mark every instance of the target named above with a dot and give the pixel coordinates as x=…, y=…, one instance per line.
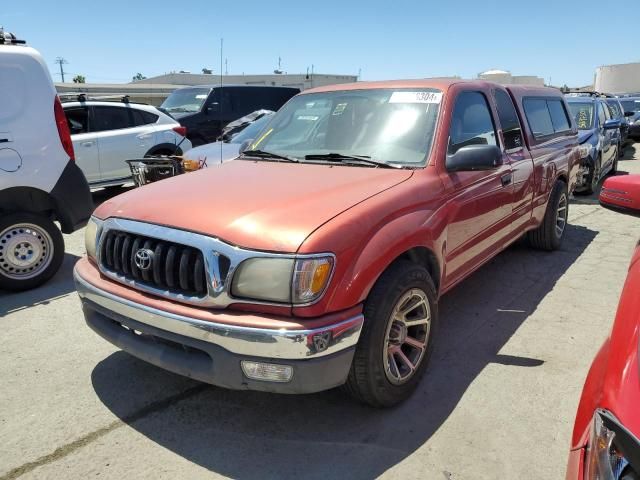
x=369, y=237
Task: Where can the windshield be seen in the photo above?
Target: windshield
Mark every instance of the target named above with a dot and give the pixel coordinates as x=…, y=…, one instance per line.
x=390, y=126
x=186, y=100
x=251, y=131
x=615, y=108
x=631, y=105
x=582, y=114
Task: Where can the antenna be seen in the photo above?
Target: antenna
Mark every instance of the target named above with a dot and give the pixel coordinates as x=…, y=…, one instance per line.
x=226, y=66
x=60, y=61
x=221, y=92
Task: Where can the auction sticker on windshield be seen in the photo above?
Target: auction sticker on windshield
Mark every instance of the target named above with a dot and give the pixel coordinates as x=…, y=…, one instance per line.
x=415, y=97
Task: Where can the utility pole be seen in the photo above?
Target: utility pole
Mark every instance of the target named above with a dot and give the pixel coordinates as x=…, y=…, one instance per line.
x=226, y=66
x=60, y=61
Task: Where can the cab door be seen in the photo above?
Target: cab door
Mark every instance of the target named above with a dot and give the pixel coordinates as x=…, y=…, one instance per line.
x=519, y=159
x=85, y=142
x=479, y=202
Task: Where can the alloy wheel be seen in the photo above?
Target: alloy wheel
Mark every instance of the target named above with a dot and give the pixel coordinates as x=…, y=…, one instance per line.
x=407, y=336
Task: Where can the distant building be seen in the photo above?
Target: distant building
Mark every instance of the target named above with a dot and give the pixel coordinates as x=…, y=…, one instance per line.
x=301, y=81
x=504, y=77
x=621, y=78
x=154, y=90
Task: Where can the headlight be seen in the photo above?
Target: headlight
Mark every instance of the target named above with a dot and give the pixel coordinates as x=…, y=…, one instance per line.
x=282, y=280
x=604, y=458
x=91, y=237
x=585, y=150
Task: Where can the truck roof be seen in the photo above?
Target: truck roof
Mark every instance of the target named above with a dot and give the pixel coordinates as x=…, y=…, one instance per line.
x=438, y=83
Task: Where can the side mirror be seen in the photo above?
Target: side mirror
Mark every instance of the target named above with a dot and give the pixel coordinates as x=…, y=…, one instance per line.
x=244, y=145
x=629, y=114
x=474, y=157
x=611, y=124
x=622, y=193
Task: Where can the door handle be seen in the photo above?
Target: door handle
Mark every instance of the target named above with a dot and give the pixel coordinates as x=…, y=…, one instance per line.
x=87, y=144
x=506, y=179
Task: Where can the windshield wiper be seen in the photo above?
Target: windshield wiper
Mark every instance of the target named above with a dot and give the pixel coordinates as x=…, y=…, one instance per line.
x=265, y=154
x=349, y=159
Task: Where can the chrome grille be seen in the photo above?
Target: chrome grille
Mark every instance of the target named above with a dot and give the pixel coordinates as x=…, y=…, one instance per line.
x=174, y=267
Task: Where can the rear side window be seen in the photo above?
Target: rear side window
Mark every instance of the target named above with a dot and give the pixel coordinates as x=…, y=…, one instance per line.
x=546, y=116
x=511, y=130
x=77, y=119
x=110, y=118
x=140, y=117
x=471, y=123
x=559, y=116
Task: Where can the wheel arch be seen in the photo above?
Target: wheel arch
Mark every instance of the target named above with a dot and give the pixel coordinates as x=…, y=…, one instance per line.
x=27, y=199
x=425, y=257
x=162, y=147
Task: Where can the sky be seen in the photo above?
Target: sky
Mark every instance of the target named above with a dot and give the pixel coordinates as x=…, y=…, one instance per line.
x=110, y=41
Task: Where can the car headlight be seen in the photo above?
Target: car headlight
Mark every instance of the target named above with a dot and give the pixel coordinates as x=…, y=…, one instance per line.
x=91, y=237
x=585, y=150
x=605, y=457
x=282, y=280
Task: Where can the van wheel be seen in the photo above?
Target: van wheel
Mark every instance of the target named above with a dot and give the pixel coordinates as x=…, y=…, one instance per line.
x=549, y=235
x=31, y=250
x=396, y=341
x=594, y=177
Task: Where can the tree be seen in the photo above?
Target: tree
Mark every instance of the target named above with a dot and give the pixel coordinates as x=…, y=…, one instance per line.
x=79, y=79
x=138, y=76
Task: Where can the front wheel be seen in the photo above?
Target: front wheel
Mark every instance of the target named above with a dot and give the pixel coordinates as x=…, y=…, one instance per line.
x=549, y=235
x=31, y=250
x=397, y=336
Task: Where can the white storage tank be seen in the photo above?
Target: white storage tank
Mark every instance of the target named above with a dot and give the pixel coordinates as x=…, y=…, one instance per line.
x=622, y=78
x=498, y=76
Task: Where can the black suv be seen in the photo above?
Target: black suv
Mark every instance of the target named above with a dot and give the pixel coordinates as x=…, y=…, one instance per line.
x=206, y=109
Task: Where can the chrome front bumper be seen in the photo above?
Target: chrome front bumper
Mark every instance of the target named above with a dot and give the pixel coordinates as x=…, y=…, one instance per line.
x=254, y=342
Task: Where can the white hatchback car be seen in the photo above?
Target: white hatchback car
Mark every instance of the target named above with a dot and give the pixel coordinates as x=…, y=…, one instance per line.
x=105, y=134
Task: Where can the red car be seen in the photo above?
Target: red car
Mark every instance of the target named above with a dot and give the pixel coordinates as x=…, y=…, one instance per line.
x=605, y=441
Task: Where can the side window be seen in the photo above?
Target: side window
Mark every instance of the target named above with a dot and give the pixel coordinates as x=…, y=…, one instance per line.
x=77, y=119
x=471, y=123
x=602, y=116
x=140, y=117
x=538, y=116
x=511, y=130
x=111, y=118
x=559, y=116
x=615, y=109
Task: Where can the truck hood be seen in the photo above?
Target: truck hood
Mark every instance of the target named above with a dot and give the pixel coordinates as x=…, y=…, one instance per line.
x=258, y=205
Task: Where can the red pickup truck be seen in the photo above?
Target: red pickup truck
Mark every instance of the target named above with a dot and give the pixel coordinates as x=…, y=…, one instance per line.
x=316, y=259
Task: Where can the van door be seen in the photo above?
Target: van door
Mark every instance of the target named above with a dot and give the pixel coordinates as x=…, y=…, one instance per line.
x=606, y=136
x=85, y=142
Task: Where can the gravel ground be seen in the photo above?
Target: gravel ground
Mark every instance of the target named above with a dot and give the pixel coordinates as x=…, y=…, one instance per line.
x=515, y=343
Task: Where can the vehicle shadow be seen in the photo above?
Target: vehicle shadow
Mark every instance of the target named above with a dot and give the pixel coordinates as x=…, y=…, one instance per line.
x=60, y=285
x=251, y=435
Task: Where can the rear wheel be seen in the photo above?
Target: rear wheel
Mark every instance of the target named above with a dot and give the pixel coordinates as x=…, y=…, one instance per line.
x=31, y=250
x=397, y=336
x=549, y=235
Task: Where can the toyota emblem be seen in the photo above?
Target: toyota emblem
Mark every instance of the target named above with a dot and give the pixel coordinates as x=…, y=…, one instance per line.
x=144, y=259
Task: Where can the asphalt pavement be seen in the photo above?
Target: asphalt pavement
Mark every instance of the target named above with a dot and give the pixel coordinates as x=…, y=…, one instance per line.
x=515, y=343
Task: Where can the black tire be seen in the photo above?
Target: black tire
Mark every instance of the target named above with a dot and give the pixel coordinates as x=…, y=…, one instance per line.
x=368, y=381
x=47, y=255
x=593, y=178
x=546, y=236
x=614, y=167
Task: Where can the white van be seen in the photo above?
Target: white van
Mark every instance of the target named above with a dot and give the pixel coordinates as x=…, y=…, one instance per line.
x=39, y=180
